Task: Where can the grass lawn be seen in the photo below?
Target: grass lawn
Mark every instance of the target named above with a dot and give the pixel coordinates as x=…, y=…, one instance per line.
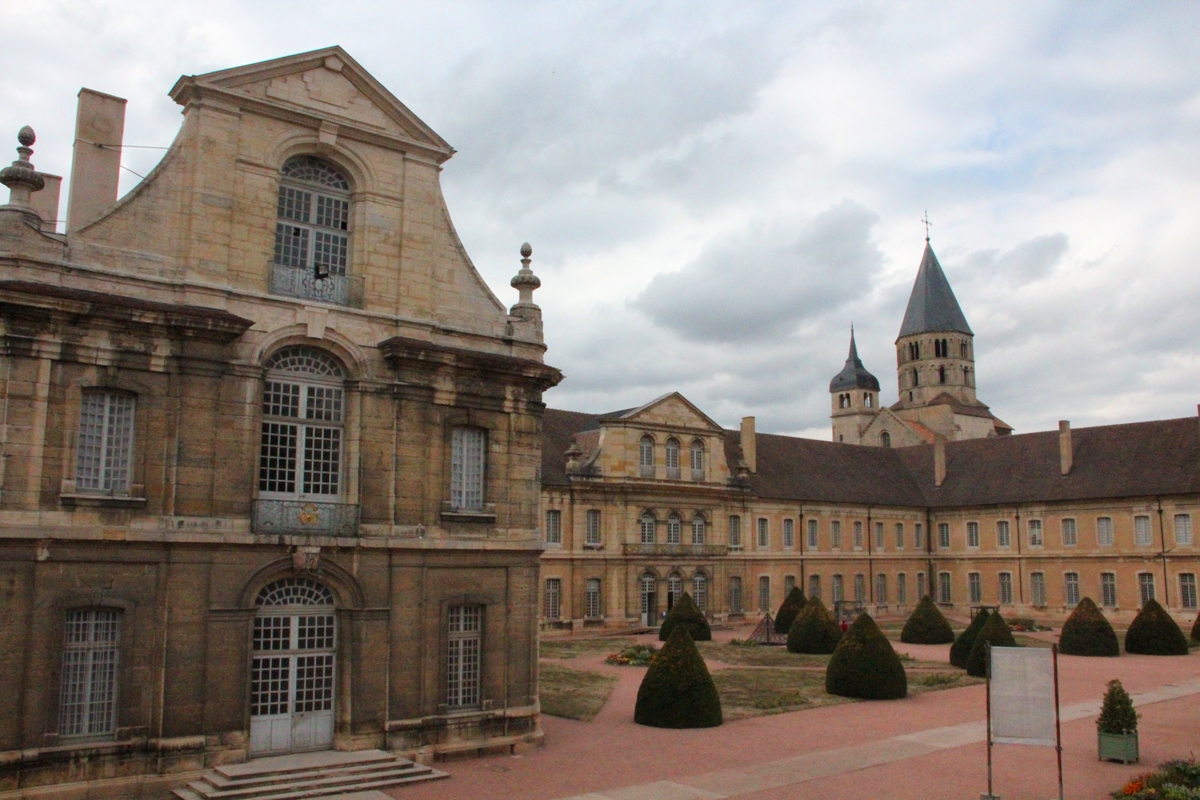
x=573, y=647
x=573, y=693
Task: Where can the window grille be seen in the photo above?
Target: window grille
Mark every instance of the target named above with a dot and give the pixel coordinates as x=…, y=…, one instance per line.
x=648, y=586
x=1006, y=593
x=858, y=535
x=735, y=595
x=1146, y=586
x=972, y=534
x=1070, y=536
x=1003, y=536
x=901, y=588
x=312, y=232
x=944, y=535
x=812, y=534
x=88, y=685
x=789, y=533
x=1183, y=529
x=646, y=457
x=1104, y=531
x=674, y=529
x=1037, y=589
x=591, y=598
x=300, y=450
x=860, y=589
x=1035, y=533
x=1141, y=530
x=1187, y=590
x=878, y=535
x=698, y=529
x=838, y=589
x=462, y=661
x=552, y=601
x=673, y=471
x=466, y=468
x=700, y=591
x=1071, y=588
x=592, y=527
x=944, y=587
x=697, y=460
x=105, y=444
x=735, y=531
x=814, y=586
x=674, y=589
x=764, y=593
x=881, y=589
x=1108, y=589
x=294, y=592
x=648, y=524
x=554, y=526
x=764, y=532
x=918, y=537
x=835, y=533
x=975, y=587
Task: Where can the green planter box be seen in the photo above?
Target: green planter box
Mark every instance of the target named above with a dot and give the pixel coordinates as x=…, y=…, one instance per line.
x=1121, y=747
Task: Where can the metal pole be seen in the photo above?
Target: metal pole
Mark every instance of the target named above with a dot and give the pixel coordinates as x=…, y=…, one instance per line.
x=1057, y=723
x=989, y=717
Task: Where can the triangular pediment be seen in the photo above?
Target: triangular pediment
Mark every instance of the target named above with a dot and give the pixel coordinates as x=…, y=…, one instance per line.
x=673, y=411
x=325, y=83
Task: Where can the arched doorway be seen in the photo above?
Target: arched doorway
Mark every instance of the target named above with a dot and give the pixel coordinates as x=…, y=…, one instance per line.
x=292, y=668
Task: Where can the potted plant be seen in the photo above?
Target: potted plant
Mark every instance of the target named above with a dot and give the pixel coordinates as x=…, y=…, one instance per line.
x=1117, y=726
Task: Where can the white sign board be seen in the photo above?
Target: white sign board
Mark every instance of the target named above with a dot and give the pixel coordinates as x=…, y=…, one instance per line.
x=1022, y=695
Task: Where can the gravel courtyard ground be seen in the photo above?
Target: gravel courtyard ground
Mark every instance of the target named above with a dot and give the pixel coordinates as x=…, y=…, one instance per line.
x=927, y=747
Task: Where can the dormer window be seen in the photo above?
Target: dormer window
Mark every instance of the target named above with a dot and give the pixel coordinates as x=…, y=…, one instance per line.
x=312, y=232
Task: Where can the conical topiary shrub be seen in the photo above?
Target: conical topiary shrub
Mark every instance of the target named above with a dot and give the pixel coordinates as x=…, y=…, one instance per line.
x=1196, y=629
x=1154, y=633
x=994, y=632
x=926, y=625
x=677, y=691
x=1087, y=633
x=1117, y=714
x=814, y=630
x=961, y=649
x=791, y=606
x=684, y=612
x=864, y=665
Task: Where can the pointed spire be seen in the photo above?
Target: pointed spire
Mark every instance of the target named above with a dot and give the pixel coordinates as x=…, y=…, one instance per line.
x=932, y=306
x=854, y=375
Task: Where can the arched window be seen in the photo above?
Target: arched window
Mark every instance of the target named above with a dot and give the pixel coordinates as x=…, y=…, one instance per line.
x=300, y=455
x=885, y=439
x=673, y=459
x=698, y=526
x=674, y=589
x=674, y=528
x=697, y=460
x=294, y=592
x=591, y=598
x=942, y=374
x=648, y=590
x=647, y=525
x=700, y=590
x=312, y=231
x=867, y=399
x=916, y=378
x=646, y=456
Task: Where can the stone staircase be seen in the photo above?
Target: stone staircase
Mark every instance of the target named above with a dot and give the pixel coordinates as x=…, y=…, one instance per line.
x=358, y=775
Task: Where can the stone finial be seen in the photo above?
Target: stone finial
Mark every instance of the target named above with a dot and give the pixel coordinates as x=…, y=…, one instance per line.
x=525, y=281
x=573, y=455
x=21, y=178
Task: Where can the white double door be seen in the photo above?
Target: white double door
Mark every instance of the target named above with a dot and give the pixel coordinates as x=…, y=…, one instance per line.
x=292, y=682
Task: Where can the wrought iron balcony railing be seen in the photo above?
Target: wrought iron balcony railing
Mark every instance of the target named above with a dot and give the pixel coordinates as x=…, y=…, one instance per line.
x=694, y=550
x=305, y=517
x=343, y=290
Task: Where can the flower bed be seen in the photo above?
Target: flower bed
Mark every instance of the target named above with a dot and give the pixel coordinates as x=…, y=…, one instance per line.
x=1174, y=780
x=1026, y=625
x=640, y=655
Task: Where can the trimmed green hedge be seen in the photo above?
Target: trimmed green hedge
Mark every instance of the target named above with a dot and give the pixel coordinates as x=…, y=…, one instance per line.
x=1196, y=629
x=792, y=605
x=1087, y=633
x=996, y=633
x=1154, y=633
x=926, y=625
x=961, y=649
x=814, y=631
x=1117, y=714
x=677, y=691
x=864, y=665
x=685, y=612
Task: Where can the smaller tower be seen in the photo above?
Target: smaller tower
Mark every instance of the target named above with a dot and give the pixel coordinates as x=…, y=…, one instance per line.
x=854, y=396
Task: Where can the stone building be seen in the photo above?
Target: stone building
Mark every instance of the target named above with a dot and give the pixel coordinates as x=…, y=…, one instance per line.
x=269, y=444
x=643, y=504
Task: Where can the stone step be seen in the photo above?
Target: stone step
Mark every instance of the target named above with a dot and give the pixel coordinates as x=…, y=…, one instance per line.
x=222, y=782
x=341, y=791
x=300, y=762
x=330, y=780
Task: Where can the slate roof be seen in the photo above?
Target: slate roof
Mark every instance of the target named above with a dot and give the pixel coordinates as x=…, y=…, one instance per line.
x=1140, y=459
x=854, y=375
x=932, y=307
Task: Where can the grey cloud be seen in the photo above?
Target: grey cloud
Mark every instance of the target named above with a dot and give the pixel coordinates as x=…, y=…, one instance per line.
x=1028, y=261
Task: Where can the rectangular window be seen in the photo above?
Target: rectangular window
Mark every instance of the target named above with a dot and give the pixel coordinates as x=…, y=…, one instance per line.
x=105, y=444
x=552, y=601
x=1035, y=533
x=901, y=588
x=881, y=588
x=1006, y=594
x=1183, y=529
x=944, y=587
x=918, y=536
x=1071, y=588
x=860, y=589
x=1187, y=590
x=878, y=535
x=975, y=587
x=764, y=593
x=972, y=534
x=87, y=700
x=812, y=534
x=1070, y=536
x=814, y=586
x=735, y=531
x=1108, y=589
x=899, y=535
x=700, y=592
x=921, y=592
x=462, y=656
x=735, y=595
x=789, y=533
x=1037, y=588
x=591, y=598
x=835, y=533
x=789, y=583
x=1104, y=531
x=764, y=534
x=592, y=532
x=466, y=468
x=944, y=535
x=1146, y=586
x=554, y=526
x=838, y=589
x=1003, y=537
x=858, y=535
x=1141, y=530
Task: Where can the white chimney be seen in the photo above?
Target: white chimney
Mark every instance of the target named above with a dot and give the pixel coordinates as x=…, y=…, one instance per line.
x=749, y=444
x=96, y=160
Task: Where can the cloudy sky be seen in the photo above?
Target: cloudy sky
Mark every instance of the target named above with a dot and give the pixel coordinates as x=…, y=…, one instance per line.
x=716, y=191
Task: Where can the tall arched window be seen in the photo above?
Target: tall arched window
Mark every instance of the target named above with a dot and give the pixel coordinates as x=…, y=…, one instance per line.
x=698, y=526
x=300, y=456
x=697, y=460
x=674, y=589
x=941, y=374
x=674, y=528
x=646, y=456
x=700, y=590
x=647, y=525
x=312, y=232
x=673, y=459
x=885, y=439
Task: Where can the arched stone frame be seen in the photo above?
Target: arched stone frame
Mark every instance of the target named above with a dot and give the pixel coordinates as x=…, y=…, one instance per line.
x=647, y=438
x=699, y=516
x=697, y=444
x=673, y=443
x=706, y=574
x=648, y=513
x=674, y=516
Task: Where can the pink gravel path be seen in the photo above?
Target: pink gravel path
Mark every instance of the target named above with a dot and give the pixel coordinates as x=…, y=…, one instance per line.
x=612, y=752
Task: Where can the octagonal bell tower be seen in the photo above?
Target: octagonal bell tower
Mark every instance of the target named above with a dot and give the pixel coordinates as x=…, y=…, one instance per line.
x=854, y=397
